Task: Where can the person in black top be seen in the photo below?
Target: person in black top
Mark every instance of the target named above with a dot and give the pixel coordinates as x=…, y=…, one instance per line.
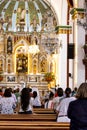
x=77, y=110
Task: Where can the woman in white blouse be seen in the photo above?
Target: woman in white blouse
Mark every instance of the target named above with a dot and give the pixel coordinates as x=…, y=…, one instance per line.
x=36, y=100
x=63, y=107
x=7, y=104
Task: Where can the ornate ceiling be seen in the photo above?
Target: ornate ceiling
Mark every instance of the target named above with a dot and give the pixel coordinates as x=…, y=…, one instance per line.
x=30, y=15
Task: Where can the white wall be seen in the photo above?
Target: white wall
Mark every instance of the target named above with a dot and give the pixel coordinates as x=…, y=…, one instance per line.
x=60, y=7
x=81, y=67
x=57, y=5
x=61, y=10
x=78, y=40
x=63, y=62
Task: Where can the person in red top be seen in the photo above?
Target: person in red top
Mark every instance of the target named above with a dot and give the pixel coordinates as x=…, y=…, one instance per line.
x=1, y=93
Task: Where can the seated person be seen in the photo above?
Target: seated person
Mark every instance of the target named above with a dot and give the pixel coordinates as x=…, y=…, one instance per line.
x=36, y=100
x=63, y=106
x=49, y=104
x=7, y=103
x=58, y=98
x=25, y=102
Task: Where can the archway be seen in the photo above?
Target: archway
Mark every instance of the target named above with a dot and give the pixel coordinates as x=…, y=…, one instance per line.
x=21, y=56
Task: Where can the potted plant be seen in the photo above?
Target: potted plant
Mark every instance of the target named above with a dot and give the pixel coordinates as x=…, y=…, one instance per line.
x=49, y=77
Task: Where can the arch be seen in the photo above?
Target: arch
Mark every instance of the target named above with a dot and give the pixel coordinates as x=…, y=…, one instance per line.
x=43, y=64
x=24, y=24
x=21, y=42
x=9, y=38
x=53, y=10
x=21, y=56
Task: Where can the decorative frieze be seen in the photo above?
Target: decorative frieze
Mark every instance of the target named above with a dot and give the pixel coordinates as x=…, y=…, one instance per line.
x=77, y=13
x=64, y=29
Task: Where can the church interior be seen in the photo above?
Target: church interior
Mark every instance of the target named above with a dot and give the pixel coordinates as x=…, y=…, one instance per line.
x=42, y=37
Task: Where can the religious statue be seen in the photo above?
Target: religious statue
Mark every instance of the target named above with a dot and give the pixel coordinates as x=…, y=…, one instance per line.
x=22, y=63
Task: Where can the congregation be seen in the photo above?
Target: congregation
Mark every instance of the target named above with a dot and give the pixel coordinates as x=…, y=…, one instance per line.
x=68, y=105
x=25, y=100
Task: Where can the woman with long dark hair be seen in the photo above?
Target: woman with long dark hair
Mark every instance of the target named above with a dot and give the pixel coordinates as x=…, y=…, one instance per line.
x=25, y=103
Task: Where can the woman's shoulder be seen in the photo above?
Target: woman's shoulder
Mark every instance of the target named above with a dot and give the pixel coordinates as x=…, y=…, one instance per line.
x=73, y=102
x=6, y=99
x=72, y=98
x=11, y=98
x=56, y=99
x=66, y=100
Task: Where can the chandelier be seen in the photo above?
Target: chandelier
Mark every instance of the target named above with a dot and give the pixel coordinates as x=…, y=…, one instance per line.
x=51, y=43
x=33, y=49
x=48, y=39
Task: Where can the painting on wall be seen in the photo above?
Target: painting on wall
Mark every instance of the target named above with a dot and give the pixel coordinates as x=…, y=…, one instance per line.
x=32, y=79
x=11, y=79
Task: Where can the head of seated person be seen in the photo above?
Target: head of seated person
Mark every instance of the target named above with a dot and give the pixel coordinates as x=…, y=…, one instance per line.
x=26, y=107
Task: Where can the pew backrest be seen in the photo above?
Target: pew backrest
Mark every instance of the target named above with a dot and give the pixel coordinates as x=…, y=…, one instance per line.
x=43, y=111
x=27, y=125
x=27, y=117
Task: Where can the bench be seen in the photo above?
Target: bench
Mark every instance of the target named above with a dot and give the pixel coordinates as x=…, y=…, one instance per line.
x=28, y=117
x=31, y=125
x=43, y=111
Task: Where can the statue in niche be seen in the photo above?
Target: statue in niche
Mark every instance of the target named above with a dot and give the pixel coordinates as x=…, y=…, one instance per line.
x=34, y=66
x=34, y=40
x=1, y=65
x=51, y=67
x=21, y=19
x=34, y=23
x=34, y=69
x=22, y=63
x=20, y=15
x=43, y=66
x=9, y=45
x=9, y=66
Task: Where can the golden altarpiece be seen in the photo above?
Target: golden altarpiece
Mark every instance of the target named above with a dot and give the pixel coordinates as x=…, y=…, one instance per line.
x=18, y=65
x=21, y=27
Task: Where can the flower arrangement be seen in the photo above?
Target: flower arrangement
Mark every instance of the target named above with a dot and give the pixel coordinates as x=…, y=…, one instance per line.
x=49, y=77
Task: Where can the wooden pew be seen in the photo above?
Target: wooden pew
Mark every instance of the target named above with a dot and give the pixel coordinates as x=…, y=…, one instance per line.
x=43, y=111
x=28, y=117
x=31, y=125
